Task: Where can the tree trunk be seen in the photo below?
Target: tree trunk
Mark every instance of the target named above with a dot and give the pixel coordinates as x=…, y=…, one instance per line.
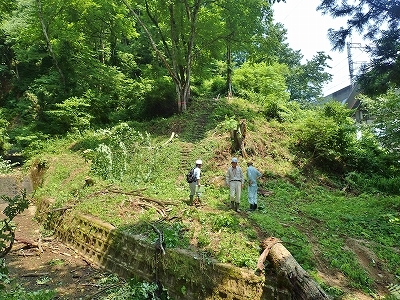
x=229, y=70
x=178, y=52
x=50, y=48
x=289, y=272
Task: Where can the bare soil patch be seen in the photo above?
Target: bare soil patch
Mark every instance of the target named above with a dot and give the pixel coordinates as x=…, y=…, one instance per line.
x=39, y=263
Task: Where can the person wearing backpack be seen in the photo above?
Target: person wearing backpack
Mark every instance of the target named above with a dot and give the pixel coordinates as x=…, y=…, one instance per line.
x=194, y=185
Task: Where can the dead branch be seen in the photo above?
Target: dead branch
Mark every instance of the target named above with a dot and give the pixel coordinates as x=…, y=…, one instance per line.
x=29, y=244
x=60, y=208
x=133, y=193
x=170, y=139
x=159, y=210
x=264, y=192
x=103, y=290
x=40, y=244
x=27, y=254
x=161, y=203
x=34, y=274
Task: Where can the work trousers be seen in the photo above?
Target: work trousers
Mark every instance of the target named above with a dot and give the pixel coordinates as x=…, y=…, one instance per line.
x=235, y=188
x=252, y=193
x=193, y=190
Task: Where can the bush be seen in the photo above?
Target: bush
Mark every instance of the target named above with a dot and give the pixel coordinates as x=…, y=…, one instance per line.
x=367, y=183
x=110, y=154
x=72, y=114
x=261, y=79
x=3, y=133
x=325, y=136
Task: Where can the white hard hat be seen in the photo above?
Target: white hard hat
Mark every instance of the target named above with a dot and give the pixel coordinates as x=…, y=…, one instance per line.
x=235, y=160
x=199, y=162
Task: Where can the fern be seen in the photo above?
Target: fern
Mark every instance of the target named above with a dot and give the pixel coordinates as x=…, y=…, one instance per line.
x=394, y=290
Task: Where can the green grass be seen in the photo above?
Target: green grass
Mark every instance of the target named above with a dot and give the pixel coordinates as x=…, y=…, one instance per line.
x=314, y=220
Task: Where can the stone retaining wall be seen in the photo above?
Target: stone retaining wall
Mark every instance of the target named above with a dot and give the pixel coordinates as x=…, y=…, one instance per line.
x=186, y=275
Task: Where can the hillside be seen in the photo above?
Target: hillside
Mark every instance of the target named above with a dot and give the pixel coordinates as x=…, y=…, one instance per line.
x=137, y=179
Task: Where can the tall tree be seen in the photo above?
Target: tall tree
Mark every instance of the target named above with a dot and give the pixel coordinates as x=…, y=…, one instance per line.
x=243, y=21
x=180, y=30
x=379, y=22
x=305, y=81
x=75, y=40
x=386, y=112
x=173, y=24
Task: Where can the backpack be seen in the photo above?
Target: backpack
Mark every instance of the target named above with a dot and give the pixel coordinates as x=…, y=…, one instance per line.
x=190, y=176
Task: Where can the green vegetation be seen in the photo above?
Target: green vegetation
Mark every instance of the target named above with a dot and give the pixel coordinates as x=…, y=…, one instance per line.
x=15, y=205
x=316, y=206
x=90, y=94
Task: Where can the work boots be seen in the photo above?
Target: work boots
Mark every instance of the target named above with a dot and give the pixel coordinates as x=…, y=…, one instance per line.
x=237, y=207
x=253, y=207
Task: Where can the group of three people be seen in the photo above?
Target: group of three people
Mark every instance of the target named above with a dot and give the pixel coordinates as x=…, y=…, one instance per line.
x=234, y=180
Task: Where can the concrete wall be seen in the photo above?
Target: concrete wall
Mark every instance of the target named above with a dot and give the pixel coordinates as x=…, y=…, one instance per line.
x=185, y=274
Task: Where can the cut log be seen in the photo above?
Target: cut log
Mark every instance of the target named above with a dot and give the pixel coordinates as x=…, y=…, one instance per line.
x=290, y=273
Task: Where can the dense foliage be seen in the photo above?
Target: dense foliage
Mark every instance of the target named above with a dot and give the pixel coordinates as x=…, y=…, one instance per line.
x=378, y=22
x=93, y=78
x=81, y=64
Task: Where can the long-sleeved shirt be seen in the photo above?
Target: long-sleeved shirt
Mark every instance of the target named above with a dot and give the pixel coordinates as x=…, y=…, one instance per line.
x=252, y=175
x=197, y=172
x=234, y=174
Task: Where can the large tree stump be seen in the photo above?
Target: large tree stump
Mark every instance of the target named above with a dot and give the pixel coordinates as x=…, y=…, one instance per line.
x=289, y=272
x=238, y=137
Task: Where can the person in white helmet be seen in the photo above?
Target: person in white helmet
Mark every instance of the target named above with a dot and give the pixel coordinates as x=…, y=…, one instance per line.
x=235, y=180
x=195, y=185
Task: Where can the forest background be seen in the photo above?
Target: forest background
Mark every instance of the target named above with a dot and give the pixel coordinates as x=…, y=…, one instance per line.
x=74, y=68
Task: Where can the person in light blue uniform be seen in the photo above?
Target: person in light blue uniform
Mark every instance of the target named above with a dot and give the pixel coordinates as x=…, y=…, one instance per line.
x=195, y=185
x=252, y=176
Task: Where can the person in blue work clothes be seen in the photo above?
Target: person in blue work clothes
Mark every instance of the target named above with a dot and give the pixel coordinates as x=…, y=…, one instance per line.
x=195, y=185
x=235, y=180
x=252, y=176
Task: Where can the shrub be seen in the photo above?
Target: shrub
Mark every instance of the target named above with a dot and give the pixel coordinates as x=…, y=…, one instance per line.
x=72, y=114
x=325, y=136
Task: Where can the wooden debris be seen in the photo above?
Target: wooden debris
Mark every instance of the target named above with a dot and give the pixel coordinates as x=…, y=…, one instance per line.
x=34, y=274
x=170, y=139
x=286, y=267
x=60, y=208
x=264, y=192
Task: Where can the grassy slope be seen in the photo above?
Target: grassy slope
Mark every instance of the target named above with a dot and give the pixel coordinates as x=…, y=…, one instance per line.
x=347, y=241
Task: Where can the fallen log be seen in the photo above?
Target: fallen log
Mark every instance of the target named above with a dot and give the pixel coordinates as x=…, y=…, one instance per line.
x=289, y=272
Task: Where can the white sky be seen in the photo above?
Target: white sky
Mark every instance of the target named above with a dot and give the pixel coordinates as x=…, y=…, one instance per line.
x=307, y=31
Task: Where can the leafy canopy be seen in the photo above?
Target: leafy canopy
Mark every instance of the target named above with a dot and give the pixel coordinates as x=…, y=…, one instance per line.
x=379, y=23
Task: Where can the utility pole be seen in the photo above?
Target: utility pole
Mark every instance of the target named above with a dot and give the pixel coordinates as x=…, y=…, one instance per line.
x=350, y=59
